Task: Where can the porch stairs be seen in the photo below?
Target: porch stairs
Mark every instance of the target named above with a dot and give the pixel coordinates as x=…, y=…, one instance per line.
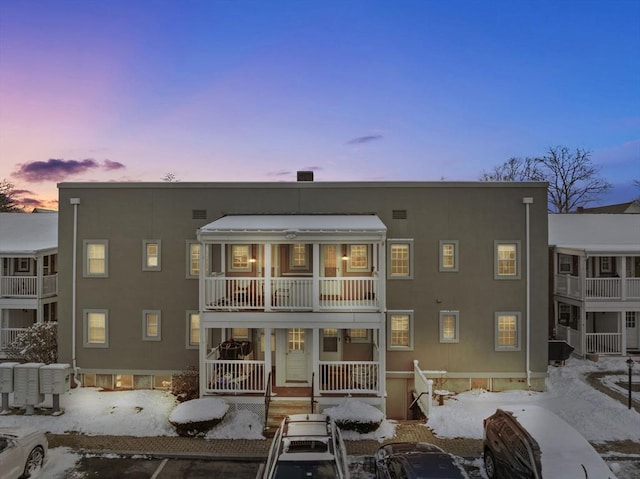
x=278, y=409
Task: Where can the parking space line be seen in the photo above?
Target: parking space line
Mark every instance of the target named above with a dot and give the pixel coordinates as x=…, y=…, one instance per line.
x=159, y=470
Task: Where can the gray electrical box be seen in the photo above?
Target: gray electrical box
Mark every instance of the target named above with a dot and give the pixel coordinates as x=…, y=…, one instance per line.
x=6, y=377
x=55, y=378
x=26, y=384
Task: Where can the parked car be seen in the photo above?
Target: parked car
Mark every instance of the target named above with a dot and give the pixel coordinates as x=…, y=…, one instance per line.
x=22, y=451
x=531, y=442
x=308, y=446
x=417, y=460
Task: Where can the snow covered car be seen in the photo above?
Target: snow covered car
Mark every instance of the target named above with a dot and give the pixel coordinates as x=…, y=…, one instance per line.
x=531, y=442
x=306, y=446
x=417, y=460
x=22, y=451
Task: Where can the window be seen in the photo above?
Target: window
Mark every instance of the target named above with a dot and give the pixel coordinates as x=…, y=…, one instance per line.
x=631, y=319
x=22, y=265
x=96, y=258
x=565, y=263
x=449, y=326
x=359, y=335
x=400, y=259
x=240, y=333
x=151, y=325
x=507, y=334
x=400, y=330
x=240, y=257
x=298, y=256
x=193, y=259
x=151, y=255
x=507, y=264
x=357, y=257
x=96, y=328
x=605, y=264
x=448, y=256
x=193, y=330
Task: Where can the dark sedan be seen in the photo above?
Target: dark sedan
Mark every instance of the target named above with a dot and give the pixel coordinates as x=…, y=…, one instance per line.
x=417, y=460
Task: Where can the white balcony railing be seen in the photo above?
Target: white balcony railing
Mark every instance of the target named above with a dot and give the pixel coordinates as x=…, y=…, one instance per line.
x=603, y=288
x=349, y=377
x=604, y=343
x=291, y=294
x=597, y=288
x=27, y=286
x=234, y=376
x=8, y=335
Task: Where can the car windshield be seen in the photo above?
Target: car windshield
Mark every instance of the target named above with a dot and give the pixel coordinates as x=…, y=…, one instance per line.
x=306, y=470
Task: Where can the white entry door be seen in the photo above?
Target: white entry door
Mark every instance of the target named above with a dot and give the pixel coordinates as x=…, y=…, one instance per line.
x=330, y=344
x=632, y=330
x=297, y=347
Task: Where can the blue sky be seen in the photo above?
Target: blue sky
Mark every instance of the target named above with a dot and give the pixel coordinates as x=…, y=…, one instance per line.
x=355, y=90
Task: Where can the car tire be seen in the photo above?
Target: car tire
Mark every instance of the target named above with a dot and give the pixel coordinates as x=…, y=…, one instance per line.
x=490, y=464
x=34, y=461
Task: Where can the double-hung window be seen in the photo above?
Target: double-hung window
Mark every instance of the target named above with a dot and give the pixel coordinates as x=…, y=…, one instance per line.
x=96, y=262
x=449, y=326
x=96, y=328
x=193, y=259
x=507, y=260
x=400, y=330
x=239, y=257
x=151, y=255
x=358, y=258
x=400, y=259
x=507, y=331
x=448, y=256
x=298, y=256
x=193, y=330
x=151, y=325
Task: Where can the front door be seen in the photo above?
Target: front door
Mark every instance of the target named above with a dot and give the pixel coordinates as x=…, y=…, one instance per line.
x=297, y=356
x=632, y=330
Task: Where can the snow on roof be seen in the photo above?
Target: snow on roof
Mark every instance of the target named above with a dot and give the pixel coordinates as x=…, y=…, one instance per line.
x=28, y=233
x=596, y=233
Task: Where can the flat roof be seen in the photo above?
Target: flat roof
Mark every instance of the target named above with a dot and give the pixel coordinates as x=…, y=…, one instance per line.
x=596, y=233
x=24, y=234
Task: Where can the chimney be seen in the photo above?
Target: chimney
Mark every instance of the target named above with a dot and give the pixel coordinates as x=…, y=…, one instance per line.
x=305, y=175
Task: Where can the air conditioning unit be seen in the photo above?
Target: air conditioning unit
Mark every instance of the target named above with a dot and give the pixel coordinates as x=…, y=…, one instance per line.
x=26, y=385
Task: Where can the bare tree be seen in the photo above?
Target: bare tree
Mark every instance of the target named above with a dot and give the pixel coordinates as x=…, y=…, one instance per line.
x=170, y=178
x=8, y=202
x=573, y=179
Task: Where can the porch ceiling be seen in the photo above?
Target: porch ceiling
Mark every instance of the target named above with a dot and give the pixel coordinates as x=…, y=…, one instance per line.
x=291, y=228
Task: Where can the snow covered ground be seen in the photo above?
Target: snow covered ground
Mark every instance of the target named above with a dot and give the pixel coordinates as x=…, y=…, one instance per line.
x=596, y=416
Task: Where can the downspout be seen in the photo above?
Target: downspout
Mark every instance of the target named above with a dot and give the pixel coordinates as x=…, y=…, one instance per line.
x=75, y=202
x=528, y=201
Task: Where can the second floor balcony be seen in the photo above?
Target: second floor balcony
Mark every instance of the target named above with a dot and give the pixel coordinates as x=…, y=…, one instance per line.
x=597, y=288
x=28, y=286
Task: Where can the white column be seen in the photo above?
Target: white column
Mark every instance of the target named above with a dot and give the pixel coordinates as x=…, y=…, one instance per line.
x=623, y=332
x=315, y=358
x=267, y=277
x=622, y=273
x=315, y=286
x=267, y=355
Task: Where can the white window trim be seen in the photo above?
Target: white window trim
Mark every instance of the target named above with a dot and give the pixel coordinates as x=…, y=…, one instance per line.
x=408, y=242
x=85, y=256
x=360, y=340
x=456, y=266
x=307, y=256
x=189, y=344
x=518, y=316
x=230, y=266
x=189, y=274
x=146, y=337
x=411, y=341
x=367, y=267
x=85, y=334
x=565, y=264
x=145, y=258
x=456, y=338
x=497, y=243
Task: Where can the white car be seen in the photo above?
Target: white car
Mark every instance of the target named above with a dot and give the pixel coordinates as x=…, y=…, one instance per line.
x=306, y=446
x=22, y=451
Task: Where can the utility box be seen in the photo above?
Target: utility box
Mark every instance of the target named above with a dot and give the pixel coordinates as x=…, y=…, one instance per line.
x=55, y=378
x=6, y=377
x=26, y=385
x=6, y=384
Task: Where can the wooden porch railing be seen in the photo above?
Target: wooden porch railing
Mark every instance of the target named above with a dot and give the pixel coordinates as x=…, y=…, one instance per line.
x=423, y=389
x=604, y=343
x=234, y=376
x=27, y=286
x=8, y=335
x=291, y=294
x=597, y=288
x=349, y=377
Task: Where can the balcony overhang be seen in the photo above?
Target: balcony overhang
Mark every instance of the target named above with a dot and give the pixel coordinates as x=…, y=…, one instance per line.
x=589, y=250
x=294, y=228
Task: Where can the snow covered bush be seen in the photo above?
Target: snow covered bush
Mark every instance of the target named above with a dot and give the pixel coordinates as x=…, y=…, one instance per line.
x=354, y=415
x=196, y=417
x=36, y=344
x=185, y=385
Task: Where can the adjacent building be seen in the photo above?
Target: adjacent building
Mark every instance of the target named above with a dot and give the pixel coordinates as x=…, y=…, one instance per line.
x=28, y=272
x=306, y=288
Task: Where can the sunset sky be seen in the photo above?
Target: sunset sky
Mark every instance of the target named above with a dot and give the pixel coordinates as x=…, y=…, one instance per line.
x=254, y=90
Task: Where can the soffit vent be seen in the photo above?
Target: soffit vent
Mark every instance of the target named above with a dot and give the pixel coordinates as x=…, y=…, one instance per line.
x=199, y=214
x=399, y=214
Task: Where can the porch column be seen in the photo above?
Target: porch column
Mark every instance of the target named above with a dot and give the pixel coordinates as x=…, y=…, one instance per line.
x=39, y=287
x=202, y=355
x=622, y=270
x=315, y=358
x=583, y=330
x=381, y=294
x=582, y=266
x=622, y=327
x=315, y=285
x=267, y=277
x=267, y=356
x=382, y=360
